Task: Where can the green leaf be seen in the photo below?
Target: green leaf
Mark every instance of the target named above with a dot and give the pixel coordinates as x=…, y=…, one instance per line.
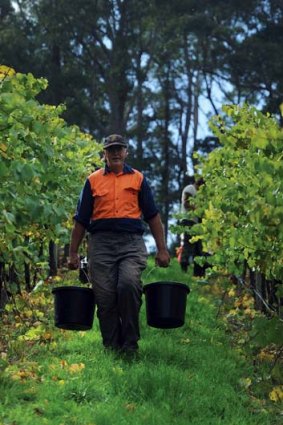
x=4, y=171
x=27, y=172
x=267, y=331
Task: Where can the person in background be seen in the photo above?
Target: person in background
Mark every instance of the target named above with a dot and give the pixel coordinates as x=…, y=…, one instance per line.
x=190, y=250
x=112, y=204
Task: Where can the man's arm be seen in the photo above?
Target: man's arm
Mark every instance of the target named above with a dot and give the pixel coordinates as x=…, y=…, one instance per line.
x=77, y=236
x=81, y=222
x=162, y=257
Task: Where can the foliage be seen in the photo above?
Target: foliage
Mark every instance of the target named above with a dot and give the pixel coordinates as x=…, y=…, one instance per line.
x=43, y=163
x=147, y=68
x=252, y=334
x=241, y=203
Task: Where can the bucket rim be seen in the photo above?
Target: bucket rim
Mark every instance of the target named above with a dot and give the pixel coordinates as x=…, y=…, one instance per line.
x=71, y=288
x=166, y=283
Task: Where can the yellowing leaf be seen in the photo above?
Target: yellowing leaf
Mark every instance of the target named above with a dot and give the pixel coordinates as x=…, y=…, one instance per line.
x=203, y=300
x=28, y=313
x=118, y=370
x=63, y=363
x=232, y=292
x=265, y=356
x=76, y=367
x=6, y=71
x=3, y=147
x=21, y=375
x=57, y=278
x=276, y=394
x=185, y=341
x=233, y=312
x=249, y=312
x=130, y=407
x=248, y=301
x=47, y=336
x=245, y=382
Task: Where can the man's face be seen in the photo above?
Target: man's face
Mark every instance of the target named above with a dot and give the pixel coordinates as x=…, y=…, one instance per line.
x=115, y=155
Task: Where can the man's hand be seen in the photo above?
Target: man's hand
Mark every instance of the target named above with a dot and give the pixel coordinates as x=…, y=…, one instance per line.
x=74, y=261
x=162, y=258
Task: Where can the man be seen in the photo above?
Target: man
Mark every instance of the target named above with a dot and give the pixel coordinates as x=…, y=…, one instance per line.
x=190, y=250
x=110, y=208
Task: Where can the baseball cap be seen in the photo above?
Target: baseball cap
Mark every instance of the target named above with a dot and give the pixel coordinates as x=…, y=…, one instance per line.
x=114, y=139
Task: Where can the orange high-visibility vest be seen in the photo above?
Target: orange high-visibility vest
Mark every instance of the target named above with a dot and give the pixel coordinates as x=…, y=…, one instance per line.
x=115, y=195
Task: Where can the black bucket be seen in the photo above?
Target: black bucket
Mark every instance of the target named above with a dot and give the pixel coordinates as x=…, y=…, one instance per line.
x=166, y=304
x=74, y=307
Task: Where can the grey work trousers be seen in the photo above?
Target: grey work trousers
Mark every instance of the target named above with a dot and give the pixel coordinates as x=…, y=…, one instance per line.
x=116, y=261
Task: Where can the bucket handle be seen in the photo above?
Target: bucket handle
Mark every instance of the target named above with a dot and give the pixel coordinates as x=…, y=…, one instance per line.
x=150, y=271
x=86, y=274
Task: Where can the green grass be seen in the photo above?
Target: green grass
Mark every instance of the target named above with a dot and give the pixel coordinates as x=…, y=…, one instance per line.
x=183, y=376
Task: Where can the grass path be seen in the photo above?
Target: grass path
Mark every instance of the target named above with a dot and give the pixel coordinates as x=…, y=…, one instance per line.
x=184, y=376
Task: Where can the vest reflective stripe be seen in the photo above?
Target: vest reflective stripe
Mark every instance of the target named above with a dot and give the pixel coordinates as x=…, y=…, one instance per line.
x=115, y=196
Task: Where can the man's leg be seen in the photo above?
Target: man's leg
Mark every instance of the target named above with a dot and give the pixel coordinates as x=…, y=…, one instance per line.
x=199, y=271
x=129, y=291
x=103, y=275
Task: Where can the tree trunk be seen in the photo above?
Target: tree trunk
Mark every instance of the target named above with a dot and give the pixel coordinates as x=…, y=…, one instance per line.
x=166, y=154
x=66, y=254
x=27, y=277
x=3, y=292
x=53, y=263
x=13, y=277
x=140, y=132
x=256, y=285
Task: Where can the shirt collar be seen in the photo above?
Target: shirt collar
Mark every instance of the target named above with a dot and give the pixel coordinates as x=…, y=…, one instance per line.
x=127, y=169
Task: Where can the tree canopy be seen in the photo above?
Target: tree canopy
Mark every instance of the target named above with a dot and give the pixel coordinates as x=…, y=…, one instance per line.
x=149, y=69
